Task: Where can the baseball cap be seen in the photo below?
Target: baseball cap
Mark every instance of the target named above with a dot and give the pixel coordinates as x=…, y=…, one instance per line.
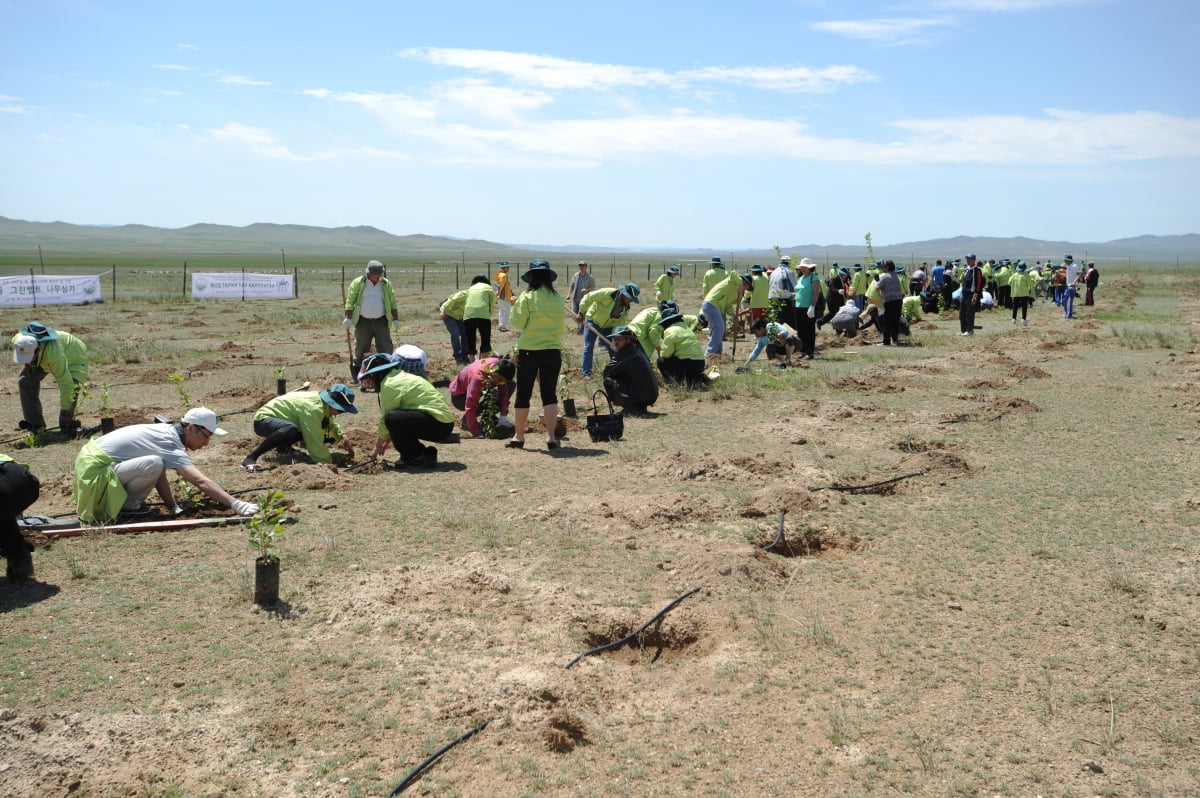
x=24, y=348
x=203, y=417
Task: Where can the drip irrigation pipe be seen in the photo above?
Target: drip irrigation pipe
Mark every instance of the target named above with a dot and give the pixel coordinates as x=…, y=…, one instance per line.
x=873, y=484
x=779, y=536
x=639, y=630
x=412, y=774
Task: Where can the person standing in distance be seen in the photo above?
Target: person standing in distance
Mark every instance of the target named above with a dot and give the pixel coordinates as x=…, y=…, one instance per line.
x=581, y=283
x=504, y=295
x=370, y=303
x=968, y=303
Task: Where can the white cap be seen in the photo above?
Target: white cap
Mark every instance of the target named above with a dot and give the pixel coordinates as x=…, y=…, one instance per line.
x=807, y=263
x=203, y=417
x=24, y=348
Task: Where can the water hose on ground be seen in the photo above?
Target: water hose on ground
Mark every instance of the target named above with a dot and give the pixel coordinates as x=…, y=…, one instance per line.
x=639, y=630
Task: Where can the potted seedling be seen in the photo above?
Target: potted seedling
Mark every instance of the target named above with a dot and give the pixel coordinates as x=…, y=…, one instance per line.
x=106, y=416
x=265, y=529
x=280, y=382
x=564, y=389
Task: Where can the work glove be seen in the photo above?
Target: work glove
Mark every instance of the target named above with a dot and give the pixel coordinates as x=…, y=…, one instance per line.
x=243, y=508
x=396, y=325
x=812, y=312
x=347, y=323
x=503, y=420
x=176, y=510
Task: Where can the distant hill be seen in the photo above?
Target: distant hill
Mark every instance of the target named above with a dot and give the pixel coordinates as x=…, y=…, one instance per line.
x=259, y=239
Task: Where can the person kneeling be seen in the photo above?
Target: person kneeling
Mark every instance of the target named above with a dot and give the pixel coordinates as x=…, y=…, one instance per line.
x=302, y=415
x=412, y=409
x=467, y=391
x=628, y=378
x=681, y=359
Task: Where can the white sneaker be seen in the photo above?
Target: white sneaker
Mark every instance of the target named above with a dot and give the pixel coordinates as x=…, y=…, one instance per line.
x=964, y=333
x=1024, y=322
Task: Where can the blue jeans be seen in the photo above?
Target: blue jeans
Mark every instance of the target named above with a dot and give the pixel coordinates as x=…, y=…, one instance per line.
x=455, y=328
x=716, y=328
x=1068, y=302
x=589, y=340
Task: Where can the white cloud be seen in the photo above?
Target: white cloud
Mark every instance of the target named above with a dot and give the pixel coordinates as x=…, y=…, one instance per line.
x=478, y=98
x=254, y=139
x=183, y=46
x=892, y=30
x=547, y=72
x=177, y=67
x=782, y=78
x=239, y=80
x=10, y=105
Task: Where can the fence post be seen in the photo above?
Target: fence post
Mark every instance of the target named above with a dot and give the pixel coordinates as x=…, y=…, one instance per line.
x=243, y=283
x=114, y=282
x=295, y=282
x=422, y=278
x=184, y=286
x=33, y=287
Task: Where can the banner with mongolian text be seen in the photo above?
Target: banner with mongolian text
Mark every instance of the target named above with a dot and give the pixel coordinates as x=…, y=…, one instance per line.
x=42, y=289
x=236, y=285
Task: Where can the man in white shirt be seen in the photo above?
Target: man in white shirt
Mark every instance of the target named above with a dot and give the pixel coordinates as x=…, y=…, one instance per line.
x=1072, y=289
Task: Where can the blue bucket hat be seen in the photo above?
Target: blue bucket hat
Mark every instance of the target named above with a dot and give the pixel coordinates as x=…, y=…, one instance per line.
x=673, y=269
x=339, y=397
x=39, y=331
x=631, y=292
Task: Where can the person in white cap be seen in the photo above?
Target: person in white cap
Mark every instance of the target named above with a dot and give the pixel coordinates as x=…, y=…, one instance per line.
x=116, y=472
x=41, y=351
x=370, y=302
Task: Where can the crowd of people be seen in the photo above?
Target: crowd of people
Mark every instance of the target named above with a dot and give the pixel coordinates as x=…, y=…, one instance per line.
x=781, y=309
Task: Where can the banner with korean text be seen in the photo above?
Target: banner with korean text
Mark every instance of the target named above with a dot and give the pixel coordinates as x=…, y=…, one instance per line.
x=43, y=289
x=236, y=285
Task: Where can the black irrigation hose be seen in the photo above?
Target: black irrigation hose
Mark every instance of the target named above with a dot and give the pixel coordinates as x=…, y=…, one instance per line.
x=779, y=536
x=412, y=774
x=873, y=484
x=640, y=629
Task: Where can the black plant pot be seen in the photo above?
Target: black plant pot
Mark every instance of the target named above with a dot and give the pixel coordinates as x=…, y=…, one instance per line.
x=107, y=425
x=569, y=408
x=266, y=581
x=280, y=387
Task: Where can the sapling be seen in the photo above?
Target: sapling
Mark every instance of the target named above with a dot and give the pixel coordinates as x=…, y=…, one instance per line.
x=489, y=402
x=267, y=525
x=177, y=380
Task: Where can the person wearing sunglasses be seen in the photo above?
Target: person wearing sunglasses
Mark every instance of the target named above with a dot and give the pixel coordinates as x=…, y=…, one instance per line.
x=114, y=473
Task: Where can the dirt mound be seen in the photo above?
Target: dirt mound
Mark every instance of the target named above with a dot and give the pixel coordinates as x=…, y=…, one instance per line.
x=877, y=385
x=1050, y=346
x=209, y=365
x=989, y=384
x=722, y=570
x=1011, y=403
x=935, y=463
x=230, y=346
x=793, y=496
x=311, y=477
x=1023, y=372
x=706, y=466
x=326, y=357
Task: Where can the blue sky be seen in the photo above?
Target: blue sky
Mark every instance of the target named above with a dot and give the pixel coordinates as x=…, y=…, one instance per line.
x=621, y=124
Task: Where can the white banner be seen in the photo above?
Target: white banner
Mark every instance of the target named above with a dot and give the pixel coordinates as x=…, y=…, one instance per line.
x=238, y=285
x=42, y=289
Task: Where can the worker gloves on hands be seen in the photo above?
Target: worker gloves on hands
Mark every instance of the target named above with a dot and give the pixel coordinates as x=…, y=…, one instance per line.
x=396, y=324
x=243, y=508
x=812, y=312
x=347, y=324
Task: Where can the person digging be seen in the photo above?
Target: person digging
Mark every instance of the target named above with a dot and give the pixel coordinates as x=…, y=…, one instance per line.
x=302, y=416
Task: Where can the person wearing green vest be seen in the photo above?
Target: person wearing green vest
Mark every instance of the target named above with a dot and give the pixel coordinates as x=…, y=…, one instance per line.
x=1021, y=287
x=599, y=312
x=538, y=314
x=114, y=473
x=370, y=302
x=681, y=358
x=302, y=416
x=19, y=489
x=715, y=274
x=645, y=326
x=858, y=286
x=759, y=291
x=664, y=286
x=41, y=350
x=1003, y=290
x=451, y=314
x=477, y=317
x=411, y=409
x=721, y=301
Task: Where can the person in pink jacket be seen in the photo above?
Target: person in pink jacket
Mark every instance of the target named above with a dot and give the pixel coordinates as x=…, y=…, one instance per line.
x=467, y=389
